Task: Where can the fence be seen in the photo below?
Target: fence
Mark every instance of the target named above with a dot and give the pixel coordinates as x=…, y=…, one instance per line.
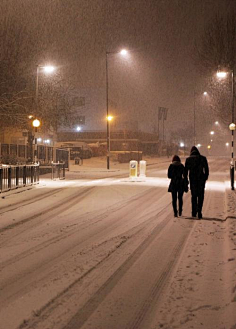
x=12, y=177
x=14, y=154
x=58, y=170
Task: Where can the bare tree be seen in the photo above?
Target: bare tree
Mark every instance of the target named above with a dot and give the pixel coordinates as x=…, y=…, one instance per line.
x=216, y=47
x=216, y=50
x=24, y=44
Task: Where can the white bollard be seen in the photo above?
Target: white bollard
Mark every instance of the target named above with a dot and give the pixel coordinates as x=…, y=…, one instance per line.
x=142, y=168
x=133, y=170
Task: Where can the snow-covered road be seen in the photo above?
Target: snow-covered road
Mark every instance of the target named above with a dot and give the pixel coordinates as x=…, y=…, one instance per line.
x=106, y=253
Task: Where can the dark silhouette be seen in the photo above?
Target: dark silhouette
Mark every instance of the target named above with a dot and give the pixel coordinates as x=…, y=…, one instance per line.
x=196, y=166
x=178, y=185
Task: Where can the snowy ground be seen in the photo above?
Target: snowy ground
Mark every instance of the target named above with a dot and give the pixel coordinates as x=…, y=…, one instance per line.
x=100, y=251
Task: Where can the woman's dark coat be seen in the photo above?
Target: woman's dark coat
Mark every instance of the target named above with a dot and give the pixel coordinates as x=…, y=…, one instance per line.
x=176, y=174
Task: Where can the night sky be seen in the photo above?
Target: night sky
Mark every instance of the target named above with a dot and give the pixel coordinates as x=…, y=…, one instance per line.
x=160, y=69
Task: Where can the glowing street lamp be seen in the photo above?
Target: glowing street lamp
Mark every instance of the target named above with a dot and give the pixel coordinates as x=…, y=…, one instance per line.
x=123, y=52
x=36, y=123
x=194, y=113
x=47, y=69
x=212, y=132
x=109, y=119
x=222, y=74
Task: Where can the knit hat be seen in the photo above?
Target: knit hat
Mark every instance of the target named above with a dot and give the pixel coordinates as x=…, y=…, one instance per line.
x=176, y=158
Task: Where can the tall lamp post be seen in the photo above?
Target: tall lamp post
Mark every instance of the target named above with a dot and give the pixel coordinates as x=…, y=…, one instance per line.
x=36, y=123
x=222, y=74
x=47, y=69
x=194, y=114
x=123, y=53
x=109, y=119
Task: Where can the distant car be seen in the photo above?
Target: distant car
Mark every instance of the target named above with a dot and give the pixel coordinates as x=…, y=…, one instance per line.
x=77, y=149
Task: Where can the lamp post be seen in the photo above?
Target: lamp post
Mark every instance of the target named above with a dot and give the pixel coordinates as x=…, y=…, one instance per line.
x=223, y=74
x=47, y=69
x=36, y=123
x=123, y=53
x=194, y=114
x=109, y=119
x=182, y=145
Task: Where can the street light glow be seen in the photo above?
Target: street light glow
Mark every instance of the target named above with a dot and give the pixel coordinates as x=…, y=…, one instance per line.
x=212, y=132
x=48, y=69
x=227, y=144
x=110, y=117
x=205, y=93
x=36, y=123
x=123, y=52
x=221, y=74
x=199, y=145
x=232, y=126
x=216, y=123
x=181, y=144
x=78, y=128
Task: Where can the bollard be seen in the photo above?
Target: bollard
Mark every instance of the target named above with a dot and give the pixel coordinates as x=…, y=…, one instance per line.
x=133, y=169
x=142, y=168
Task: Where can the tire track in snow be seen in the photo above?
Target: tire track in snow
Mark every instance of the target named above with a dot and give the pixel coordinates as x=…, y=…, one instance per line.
x=89, y=307
x=23, y=203
x=57, y=208
x=73, y=231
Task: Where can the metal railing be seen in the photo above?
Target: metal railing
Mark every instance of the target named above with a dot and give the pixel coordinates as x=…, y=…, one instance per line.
x=58, y=170
x=12, y=177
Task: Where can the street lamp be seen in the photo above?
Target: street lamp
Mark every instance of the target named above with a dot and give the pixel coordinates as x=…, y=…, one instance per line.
x=47, y=69
x=194, y=114
x=222, y=74
x=36, y=123
x=182, y=145
x=123, y=52
x=109, y=119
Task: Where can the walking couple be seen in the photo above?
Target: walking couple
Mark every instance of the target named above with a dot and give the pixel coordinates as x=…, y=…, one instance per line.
x=196, y=171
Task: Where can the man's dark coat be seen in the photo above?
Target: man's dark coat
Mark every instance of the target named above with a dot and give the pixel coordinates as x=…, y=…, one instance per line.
x=197, y=167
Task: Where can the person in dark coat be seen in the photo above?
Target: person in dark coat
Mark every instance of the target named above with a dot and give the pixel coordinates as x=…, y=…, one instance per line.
x=176, y=187
x=196, y=166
